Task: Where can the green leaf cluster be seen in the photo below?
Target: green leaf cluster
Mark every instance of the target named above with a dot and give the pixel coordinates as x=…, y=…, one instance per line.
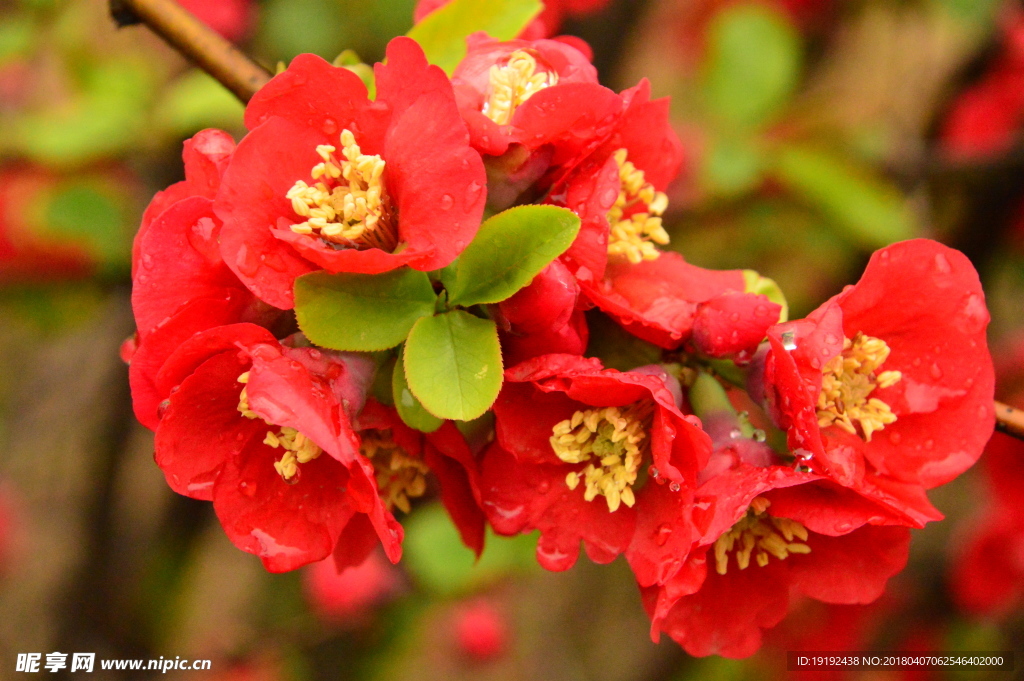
x=449, y=357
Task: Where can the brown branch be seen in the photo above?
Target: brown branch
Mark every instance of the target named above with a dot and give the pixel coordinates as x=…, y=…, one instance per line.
x=195, y=40
x=1010, y=420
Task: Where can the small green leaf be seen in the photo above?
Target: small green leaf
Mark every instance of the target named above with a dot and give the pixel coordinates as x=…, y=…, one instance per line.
x=753, y=64
x=453, y=364
x=510, y=249
x=409, y=408
x=755, y=283
x=362, y=312
x=870, y=212
x=443, y=32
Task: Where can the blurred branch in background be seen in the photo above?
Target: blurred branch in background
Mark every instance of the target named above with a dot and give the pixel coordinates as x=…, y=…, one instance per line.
x=195, y=40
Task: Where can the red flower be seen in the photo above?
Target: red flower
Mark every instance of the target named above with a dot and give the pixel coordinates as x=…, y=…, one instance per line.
x=530, y=92
x=347, y=596
x=181, y=285
x=985, y=118
x=231, y=18
x=615, y=184
x=666, y=299
x=263, y=431
x=481, y=630
x=415, y=189
x=404, y=459
x=769, y=533
x=555, y=416
x=543, y=318
x=890, y=383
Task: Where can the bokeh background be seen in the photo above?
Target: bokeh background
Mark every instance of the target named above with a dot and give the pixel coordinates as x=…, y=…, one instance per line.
x=815, y=131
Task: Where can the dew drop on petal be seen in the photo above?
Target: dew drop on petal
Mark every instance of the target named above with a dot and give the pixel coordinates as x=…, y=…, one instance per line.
x=894, y=438
x=942, y=265
x=936, y=371
x=447, y=202
x=543, y=487
x=759, y=435
x=330, y=126
x=674, y=487
x=247, y=488
x=653, y=472
x=663, y=533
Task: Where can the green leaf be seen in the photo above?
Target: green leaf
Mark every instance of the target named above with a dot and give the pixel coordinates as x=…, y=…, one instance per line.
x=510, y=249
x=869, y=211
x=453, y=364
x=409, y=408
x=755, y=283
x=362, y=312
x=753, y=64
x=443, y=32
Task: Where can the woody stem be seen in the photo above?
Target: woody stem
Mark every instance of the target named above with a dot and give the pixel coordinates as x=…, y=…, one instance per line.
x=1010, y=420
x=192, y=38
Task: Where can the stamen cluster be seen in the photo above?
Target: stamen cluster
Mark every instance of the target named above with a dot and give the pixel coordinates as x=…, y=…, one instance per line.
x=616, y=439
x=348, y=204
x=847, y=383
x=635, y=219
x=514, y=83
x=759, y=535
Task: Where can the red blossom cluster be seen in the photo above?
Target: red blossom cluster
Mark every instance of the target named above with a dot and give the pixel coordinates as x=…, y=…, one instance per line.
x=879, y=395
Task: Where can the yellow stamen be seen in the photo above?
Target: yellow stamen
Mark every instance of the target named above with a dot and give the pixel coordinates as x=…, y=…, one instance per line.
x=613, y=441
x=347, y=203
x=759, y=535
x=848, y=381
x=513, y=84
x=297, y=447
x=633, y=237
x=400, y=477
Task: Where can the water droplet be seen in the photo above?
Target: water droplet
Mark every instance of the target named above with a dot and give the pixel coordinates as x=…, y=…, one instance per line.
x=473, y=194
x=895, y=438
x=162, y=408
x=247, y=488
x=147, y=260
x=803, y=454
x=543, y=487
x=759, y=435
x=674, y=487
x=663, y=533
x=789, y=340
x=884, y=256
x=330, y=126
x=734, y=317
x=247, y=262
x=447, y=202
x=653, y=472
x=942, y=264
x=936, y=371
x=761, y=310
x=916, y=362
x=735, y=433
x=314, y=353
x=801, y=468
x=929, y=444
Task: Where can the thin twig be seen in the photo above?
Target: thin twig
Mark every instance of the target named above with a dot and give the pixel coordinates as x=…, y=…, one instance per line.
x=1010, y=420
x=195, y=40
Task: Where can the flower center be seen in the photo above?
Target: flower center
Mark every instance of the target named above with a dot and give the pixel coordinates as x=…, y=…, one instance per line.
x=513, y=84
x=347, y=205
x=613, y=442
x=848, y=381
x=635, y=218
x=297, y=447
x=760, y=535
x=399, y=476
